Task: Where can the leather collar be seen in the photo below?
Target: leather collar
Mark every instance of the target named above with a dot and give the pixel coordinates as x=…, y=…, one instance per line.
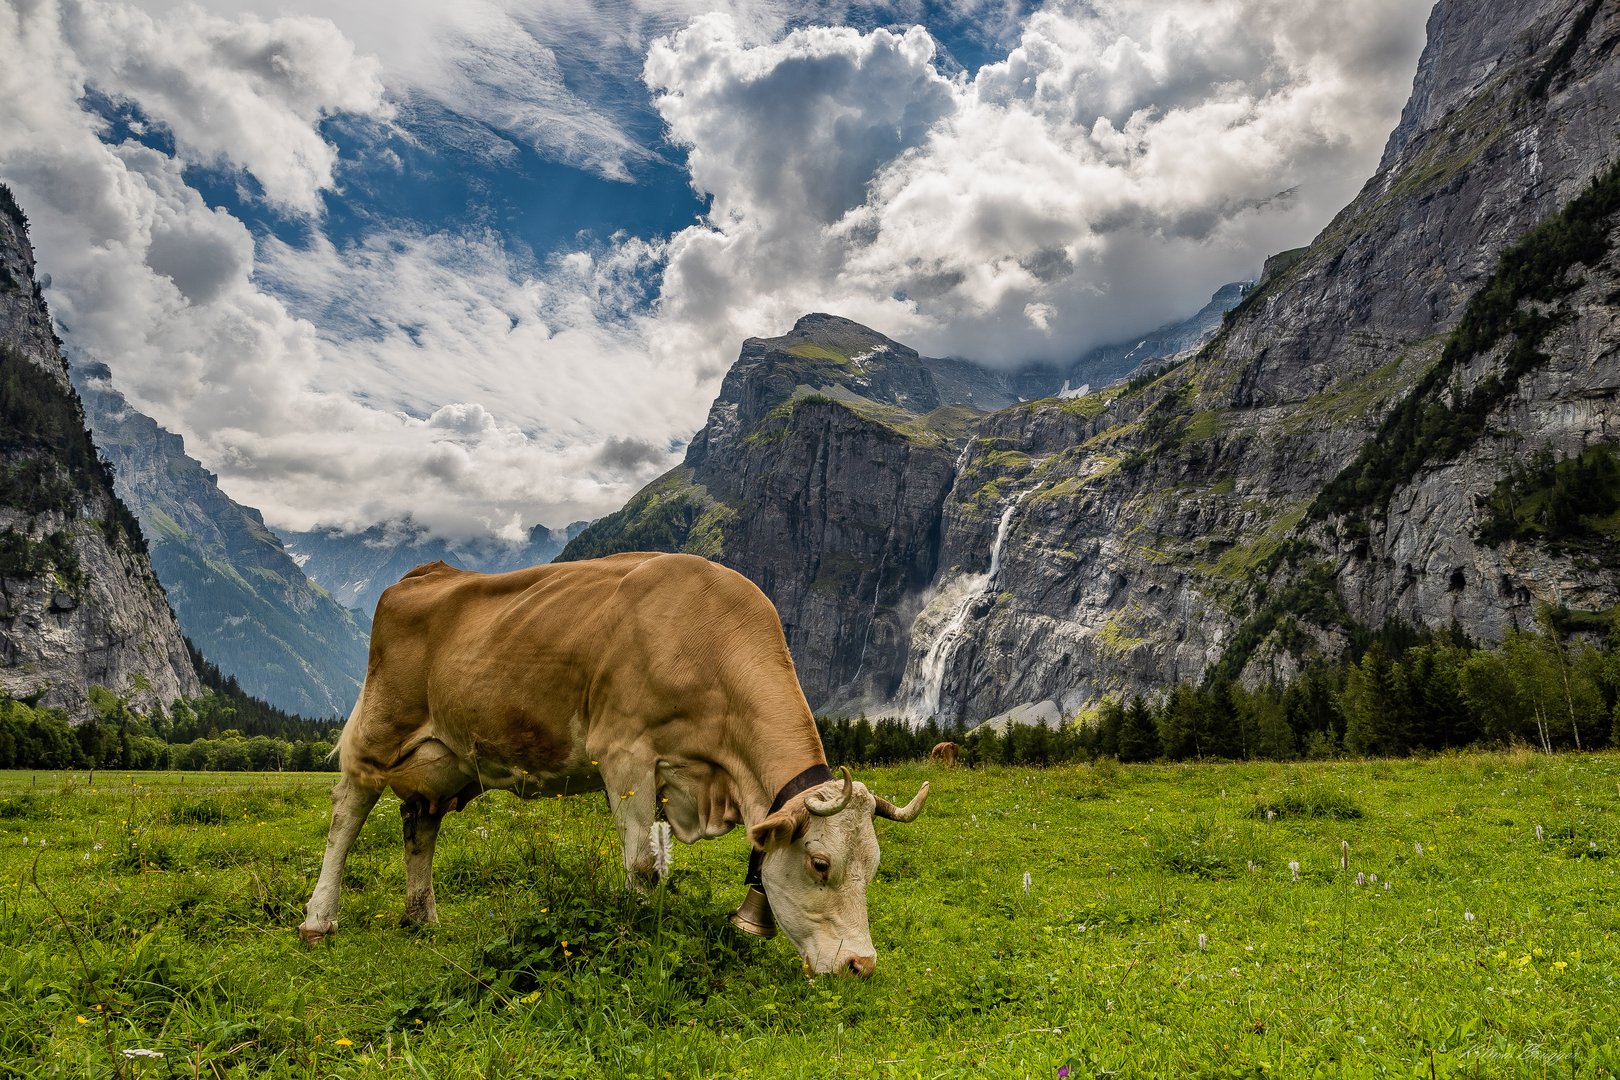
x=814, y=776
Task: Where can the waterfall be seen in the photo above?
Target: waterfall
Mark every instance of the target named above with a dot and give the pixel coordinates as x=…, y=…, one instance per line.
x=943, y=623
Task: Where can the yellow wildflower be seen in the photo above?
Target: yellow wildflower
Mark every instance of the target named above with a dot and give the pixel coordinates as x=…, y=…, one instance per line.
x=343, y=1042
x=81, y=1019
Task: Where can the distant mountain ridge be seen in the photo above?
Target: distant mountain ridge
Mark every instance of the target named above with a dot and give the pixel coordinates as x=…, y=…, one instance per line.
x=355, y=567
x=1107, y=364
x=242, y=600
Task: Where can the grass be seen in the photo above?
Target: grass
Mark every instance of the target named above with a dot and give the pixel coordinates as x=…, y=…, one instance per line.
x=1163, y=932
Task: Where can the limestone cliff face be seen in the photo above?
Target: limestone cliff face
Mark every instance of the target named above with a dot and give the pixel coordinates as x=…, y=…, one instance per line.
x=79, y=603
x=1182, y=523
x=819, y=476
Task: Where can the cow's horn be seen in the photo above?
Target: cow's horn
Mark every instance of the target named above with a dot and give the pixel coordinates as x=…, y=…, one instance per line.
x=828, y=809
x=908, y=812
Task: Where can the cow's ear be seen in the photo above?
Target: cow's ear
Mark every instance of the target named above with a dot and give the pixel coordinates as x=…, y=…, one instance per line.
x=779, y=830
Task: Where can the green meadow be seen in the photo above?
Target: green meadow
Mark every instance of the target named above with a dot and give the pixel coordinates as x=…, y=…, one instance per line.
x=1448, y=917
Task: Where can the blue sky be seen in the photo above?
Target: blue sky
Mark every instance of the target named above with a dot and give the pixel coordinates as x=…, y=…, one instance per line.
x=485, y=263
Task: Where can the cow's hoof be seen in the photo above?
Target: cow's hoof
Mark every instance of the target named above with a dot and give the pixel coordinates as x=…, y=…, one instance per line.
x=315, y=933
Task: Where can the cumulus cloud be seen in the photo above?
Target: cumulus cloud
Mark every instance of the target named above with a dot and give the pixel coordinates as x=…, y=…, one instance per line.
x=1116, y=166
x=244, y=93
x=1122, y=161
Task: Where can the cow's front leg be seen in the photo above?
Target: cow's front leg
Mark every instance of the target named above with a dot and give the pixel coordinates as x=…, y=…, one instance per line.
x=632, y=794
x=350, y=805
x=420, y=821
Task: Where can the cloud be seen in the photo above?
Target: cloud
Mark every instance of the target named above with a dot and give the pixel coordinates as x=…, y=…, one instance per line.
x=1122, y=161
x=244, y=93
x=1117, y=165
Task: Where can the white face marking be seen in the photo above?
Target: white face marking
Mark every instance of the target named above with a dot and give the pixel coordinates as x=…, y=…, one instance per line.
x=824, y=914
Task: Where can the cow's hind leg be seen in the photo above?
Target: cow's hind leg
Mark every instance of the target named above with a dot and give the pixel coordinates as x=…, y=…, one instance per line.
x=420, y=819
x=350, y=805
x=421, y=825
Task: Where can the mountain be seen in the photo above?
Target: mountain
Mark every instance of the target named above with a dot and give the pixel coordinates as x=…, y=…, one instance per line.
x=79, y=603
x=241, y=599
x=819, y=476
x=355, y=567
x=1389, y=424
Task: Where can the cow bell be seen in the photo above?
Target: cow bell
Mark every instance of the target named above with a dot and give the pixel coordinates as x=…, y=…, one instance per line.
x=754, y=916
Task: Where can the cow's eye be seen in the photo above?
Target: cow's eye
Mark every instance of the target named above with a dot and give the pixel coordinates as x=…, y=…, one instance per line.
x=821, y=864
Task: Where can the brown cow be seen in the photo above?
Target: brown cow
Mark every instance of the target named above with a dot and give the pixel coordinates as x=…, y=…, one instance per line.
x=664, y=679
x=945, y=753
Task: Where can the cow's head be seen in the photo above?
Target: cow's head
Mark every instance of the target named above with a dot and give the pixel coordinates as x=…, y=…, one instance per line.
x=820, y=854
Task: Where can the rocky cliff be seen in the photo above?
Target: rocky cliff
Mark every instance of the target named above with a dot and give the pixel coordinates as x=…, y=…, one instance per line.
x=241, y=599
x=819, y=475
x=79, y=603
x=1241, y=511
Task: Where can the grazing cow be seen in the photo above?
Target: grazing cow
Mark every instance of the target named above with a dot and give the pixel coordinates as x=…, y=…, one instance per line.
x=664, y=679
x=945, y=753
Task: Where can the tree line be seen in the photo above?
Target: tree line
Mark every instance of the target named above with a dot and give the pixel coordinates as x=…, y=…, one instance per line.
x=1399, y=691
x=117, y=737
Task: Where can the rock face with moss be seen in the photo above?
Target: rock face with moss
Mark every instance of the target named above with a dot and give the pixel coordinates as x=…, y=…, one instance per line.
x=241, y=599
x=79, y=603
x=1329, y=459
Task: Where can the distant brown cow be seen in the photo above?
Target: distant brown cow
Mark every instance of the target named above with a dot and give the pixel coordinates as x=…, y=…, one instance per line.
x=663, y=678
x=945, y=753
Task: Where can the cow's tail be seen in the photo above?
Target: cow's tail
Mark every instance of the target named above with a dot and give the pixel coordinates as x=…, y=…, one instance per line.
x=351, y=731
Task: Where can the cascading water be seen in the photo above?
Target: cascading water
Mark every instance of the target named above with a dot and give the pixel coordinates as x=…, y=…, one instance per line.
x=924, y=680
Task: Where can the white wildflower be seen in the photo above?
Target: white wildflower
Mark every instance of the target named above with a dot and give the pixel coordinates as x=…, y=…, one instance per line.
x=1344, y=854
x=1361, y=879
x=1271, y=815
x=1386, y=886
x=138, y=1052
x=482, y=833
x=1026, y=881
x=658, y=843
x=1418, y=847
x=1294, y=868
x=1203, y=943
x=1372, y=878
x=1252, y=867
x=1539, y=834
x=96, y=846
x=1468, y=916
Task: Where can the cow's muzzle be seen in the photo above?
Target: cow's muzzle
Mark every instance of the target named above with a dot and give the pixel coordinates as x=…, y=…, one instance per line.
x=754, y=916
